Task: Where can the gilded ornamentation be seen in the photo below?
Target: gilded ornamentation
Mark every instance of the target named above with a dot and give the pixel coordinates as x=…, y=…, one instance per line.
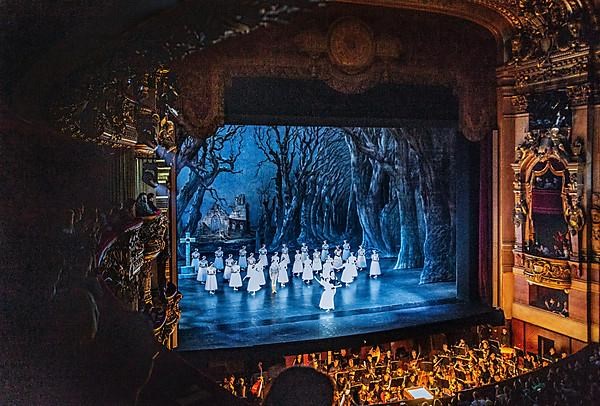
x=544, y=144
x=556, y=68
x=520, y=212
x=166, y=320
x=152, y=235
x=595, y=214
x=544, y=151
x=164, y=131
x=122, y=265
x=351, y=45
x=555, y=274
x=519, y=103
x=575, y=217
x=579, y=95
x=547, y=27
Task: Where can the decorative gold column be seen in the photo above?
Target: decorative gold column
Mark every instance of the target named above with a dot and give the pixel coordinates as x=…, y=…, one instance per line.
x=513, y=123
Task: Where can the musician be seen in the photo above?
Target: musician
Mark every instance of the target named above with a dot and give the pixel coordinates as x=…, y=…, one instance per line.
x=229, y=385
x=413, y=380
x=375, y=353
x=485, y=348
x=552, y=354
x=369, y=363
x=472, y=356
x=350, y=366
x=504, y=338
x=446, y=351
x=386, y=380
x=363, y=395
x=343, y=356
x=413, y=359
x=444, y=355
x=334, y=366
x=385, y=396
x=390, y=356
x=241, y=388
x=298, y=361
x=376, y=392
x=399, y=372
x=485, y=375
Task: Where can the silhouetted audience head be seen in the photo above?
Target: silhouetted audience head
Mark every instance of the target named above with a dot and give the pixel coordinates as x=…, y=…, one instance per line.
x=300, y=386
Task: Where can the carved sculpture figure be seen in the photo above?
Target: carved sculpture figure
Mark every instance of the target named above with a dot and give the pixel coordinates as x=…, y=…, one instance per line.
x=575, y=217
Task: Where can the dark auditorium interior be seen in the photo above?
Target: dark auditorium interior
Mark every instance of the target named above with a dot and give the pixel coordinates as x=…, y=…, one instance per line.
x=164, y=153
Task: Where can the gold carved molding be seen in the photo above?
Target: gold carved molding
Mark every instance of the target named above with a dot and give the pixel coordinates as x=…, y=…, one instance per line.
x=306, y=53
x=549, y=147
x=351, y=45
x=551, y=273
x=595, y=215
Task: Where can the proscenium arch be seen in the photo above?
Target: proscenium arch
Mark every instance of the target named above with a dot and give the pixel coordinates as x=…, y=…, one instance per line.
x=203, y=78
x=499, y=20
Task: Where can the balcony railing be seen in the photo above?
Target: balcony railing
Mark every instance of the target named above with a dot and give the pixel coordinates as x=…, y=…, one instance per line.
x=126, y=260
x=549, y=272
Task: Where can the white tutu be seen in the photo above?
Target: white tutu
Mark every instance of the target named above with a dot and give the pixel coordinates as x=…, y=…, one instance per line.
x=236, y=280
x=253, y=285
x=211, y=282
x=196, y=264
x=337, y=262
x=316, y=263
x=375, y=269
x=283, y=275
x=326, y=302
x=285, y=260
x=262, y=260
x=297, y=269
x=347, y=275
x=345, y=254
x=260, y=274
x=361, y=261
x=219, y=263
x=307, y=273
x=201, y=274
x=352, y=264
x=227, y=272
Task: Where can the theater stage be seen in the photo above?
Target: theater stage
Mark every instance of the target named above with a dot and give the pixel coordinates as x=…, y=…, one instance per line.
x=231, y=319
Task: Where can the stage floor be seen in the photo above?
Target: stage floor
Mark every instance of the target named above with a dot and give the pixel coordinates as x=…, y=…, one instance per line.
x=231, y=319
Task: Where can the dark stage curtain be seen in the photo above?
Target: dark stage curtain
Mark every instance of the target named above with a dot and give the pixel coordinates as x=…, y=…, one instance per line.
x=485, y=220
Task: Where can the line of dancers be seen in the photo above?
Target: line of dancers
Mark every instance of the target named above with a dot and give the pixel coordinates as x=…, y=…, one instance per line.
x=318, y=265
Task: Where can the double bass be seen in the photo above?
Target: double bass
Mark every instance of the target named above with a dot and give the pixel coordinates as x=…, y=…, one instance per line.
x=257, y=388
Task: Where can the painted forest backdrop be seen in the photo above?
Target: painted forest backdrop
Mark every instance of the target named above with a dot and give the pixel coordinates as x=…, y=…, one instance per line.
x=390, y=189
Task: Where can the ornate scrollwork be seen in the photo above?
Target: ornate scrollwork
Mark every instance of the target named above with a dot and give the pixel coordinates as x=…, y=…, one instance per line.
x=555, y=274
x=152, y=235
x=547, y=26
x=519, y=103
x=595, y=214
x=351, y=45
x=122, y=266
x=574, y=216
x=544, y=144
x=167, y=316
x=520, y=212
x=579, y=95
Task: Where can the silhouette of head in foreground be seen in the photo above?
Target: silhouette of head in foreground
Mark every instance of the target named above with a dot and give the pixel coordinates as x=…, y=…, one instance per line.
x=300, y=386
